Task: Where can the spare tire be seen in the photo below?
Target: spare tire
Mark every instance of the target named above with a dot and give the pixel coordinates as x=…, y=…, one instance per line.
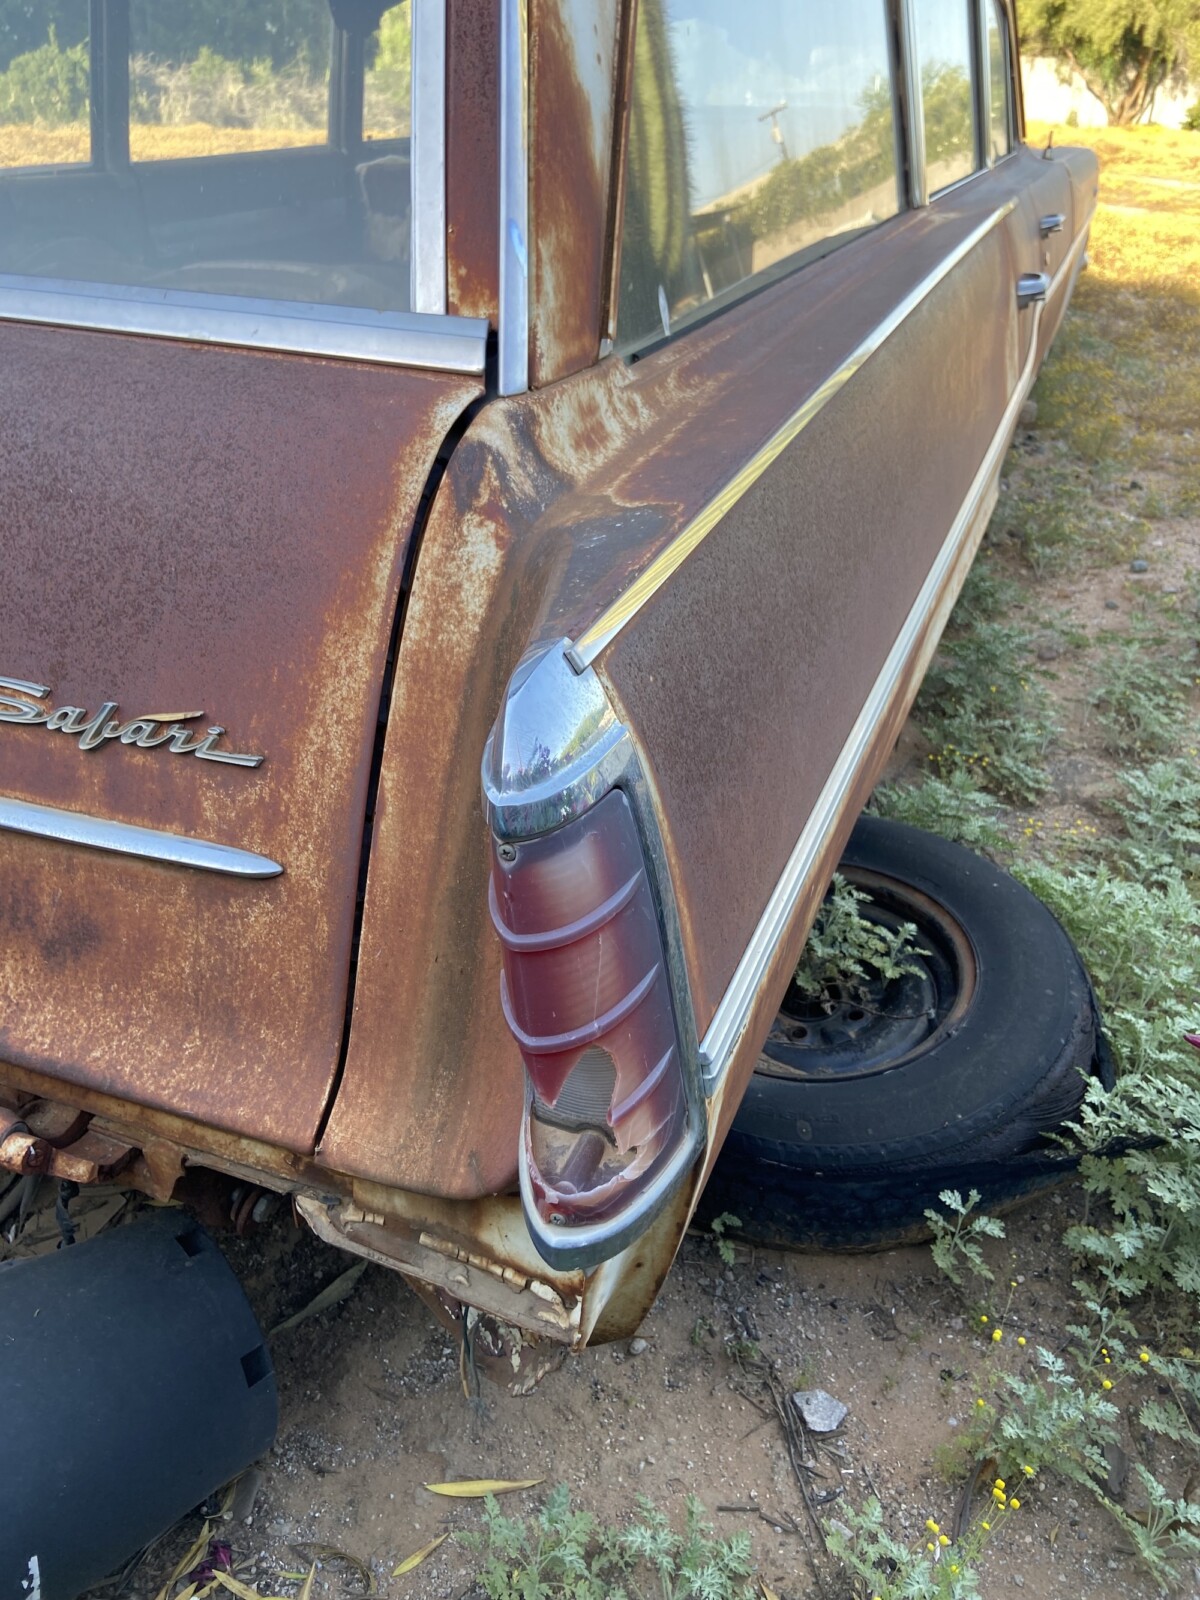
x=862, y=1109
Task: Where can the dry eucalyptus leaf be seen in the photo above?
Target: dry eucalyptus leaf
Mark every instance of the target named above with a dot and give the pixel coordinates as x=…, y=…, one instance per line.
x=476, y=1488
x=413, y=1561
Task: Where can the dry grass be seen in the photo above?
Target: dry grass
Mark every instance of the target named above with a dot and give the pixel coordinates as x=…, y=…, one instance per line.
x=1123, y=384
x=25, y=145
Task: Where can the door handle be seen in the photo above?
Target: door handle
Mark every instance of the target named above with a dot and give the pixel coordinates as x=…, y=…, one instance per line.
x=1032, y=289
x=1052, y=222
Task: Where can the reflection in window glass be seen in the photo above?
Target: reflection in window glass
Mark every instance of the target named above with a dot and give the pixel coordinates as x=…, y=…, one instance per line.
x=759, y=130
x=210, y=80
x=998, y=134
x=254, y=168
x=44, y=84
x=944, y=53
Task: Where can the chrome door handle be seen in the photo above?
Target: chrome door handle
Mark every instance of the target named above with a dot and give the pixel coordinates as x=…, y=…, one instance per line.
x=1052, y=222
x=1032, y=289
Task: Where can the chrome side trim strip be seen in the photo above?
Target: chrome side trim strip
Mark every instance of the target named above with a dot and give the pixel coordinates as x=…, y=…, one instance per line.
x=514, y=197
x=733, y=1012
x=429, y=157
x=98, y=833
x=399, y=338
x=600, y=633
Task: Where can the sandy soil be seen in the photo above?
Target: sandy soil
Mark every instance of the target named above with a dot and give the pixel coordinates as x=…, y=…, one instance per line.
x=373, y=1407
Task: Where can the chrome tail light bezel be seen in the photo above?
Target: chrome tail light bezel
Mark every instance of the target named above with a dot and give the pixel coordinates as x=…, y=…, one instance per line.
x=556, y=750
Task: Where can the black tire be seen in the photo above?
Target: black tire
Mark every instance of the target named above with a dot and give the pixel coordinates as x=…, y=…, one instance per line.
x=852, y=1125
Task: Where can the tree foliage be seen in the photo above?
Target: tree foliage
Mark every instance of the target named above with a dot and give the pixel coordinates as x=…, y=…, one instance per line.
x=1124, y=50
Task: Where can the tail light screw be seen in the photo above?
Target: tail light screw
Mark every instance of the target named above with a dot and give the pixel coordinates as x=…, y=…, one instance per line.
x=507, y=852
x=557, y=1218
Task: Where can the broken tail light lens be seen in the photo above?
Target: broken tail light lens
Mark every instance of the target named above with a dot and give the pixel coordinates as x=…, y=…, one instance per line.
x=585, y=991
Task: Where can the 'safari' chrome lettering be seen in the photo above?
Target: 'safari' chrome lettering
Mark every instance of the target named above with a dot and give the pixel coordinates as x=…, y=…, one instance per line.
x=21, y=702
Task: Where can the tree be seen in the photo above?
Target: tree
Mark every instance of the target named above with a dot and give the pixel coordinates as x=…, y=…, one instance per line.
x=1124, y=50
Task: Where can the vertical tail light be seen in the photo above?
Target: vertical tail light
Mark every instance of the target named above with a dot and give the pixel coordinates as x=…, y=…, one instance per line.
x=610, y=1127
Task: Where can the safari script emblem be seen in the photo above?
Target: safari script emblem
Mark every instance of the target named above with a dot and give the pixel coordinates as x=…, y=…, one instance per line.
x=168, y=728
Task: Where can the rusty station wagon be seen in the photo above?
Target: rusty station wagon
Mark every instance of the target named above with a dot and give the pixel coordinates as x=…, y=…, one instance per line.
x=603, y=396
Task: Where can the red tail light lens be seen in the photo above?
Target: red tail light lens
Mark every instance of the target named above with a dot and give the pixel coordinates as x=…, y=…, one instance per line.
x=586, y=993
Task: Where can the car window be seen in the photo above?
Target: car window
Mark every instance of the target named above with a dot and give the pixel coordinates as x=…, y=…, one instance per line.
x=944, y=56
x=760, y=131
x=258, y=150
x=44, y=76
x=999, y=108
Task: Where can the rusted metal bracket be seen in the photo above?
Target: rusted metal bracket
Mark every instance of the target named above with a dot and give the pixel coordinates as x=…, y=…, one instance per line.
x=89, y=1157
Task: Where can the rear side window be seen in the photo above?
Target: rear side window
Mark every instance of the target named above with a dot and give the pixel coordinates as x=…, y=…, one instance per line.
x=999, y=96
x=944, y=56
x=761, y=131
x=259, y=150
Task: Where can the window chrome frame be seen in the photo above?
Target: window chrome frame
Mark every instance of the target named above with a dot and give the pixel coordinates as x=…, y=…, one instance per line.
x=914, y=107
x=428, y=158
x=424, y=336
x=513, y=353
x=398, y=338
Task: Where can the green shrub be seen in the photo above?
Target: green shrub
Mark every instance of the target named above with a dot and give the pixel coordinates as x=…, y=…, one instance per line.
x=46, y=85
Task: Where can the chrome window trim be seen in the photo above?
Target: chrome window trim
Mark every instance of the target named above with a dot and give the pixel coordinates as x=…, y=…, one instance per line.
x=124, y=838
x=514, y=197
x=985, y=80
x=402, y=338
x=732, y=1015
x=918, y=190
x=428, y=156
x=600, y=633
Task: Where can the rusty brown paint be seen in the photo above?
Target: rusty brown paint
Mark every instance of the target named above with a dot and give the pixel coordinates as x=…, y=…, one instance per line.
x=573, y=46
x=192, y=527
x=551, y=503
x=472, y=159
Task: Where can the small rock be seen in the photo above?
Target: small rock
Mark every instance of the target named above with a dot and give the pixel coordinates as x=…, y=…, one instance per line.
x=1018, y=1580
x=245, y=1495
x=1139, y=565
x=1134, y=484
x=1028, y=414
x=821, y=1412
x=638, y=1347
x=1048, y=647
x=1111, y=605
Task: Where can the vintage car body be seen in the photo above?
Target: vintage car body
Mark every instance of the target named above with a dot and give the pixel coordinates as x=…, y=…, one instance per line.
x=285, y=574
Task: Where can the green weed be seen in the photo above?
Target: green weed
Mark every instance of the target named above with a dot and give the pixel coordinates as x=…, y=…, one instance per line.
x=563, y=1554
x=956, y=1242
x=847, y=953
x=952, y=806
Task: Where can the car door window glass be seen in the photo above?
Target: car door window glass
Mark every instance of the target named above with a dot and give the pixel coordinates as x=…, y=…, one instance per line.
x=999, y=119
x=262, y=151
x=944, y=55
x=759, y=131
x=44, y=85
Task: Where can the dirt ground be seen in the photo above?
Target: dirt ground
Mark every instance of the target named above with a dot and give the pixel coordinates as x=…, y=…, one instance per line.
x=372, y=1407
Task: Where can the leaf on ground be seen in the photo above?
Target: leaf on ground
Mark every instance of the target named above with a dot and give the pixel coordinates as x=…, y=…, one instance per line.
x=330, y=1552
x=306, y=1586
x=476, y=1488
x=186, y=1563
x=768, y=1592
x=331, y=1295
x=410, y=1563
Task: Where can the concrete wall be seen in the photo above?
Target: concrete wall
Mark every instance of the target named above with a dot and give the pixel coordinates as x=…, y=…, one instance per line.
x=1049, y=99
